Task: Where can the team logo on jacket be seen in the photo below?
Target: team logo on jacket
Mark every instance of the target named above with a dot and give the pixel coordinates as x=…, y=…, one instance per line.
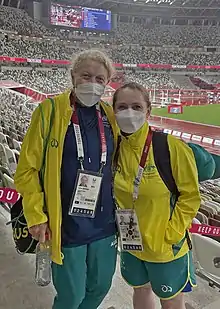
x=117, y=169
x=150, y=170
x=54, y=143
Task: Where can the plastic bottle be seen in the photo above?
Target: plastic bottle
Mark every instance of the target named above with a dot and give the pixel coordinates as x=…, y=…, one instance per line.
x=43, y=263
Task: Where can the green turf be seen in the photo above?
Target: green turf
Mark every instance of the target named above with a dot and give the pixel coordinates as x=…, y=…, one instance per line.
x=207, y=114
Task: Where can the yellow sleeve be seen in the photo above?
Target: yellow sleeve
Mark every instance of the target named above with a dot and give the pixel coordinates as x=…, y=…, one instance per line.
x=26, y=178
x=186, y=177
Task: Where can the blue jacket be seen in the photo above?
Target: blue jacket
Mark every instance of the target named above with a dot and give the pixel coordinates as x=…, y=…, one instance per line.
x=78, y=230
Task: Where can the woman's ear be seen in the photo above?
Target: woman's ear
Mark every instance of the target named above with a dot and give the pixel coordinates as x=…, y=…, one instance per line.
x=148, y=112
x=72, y=78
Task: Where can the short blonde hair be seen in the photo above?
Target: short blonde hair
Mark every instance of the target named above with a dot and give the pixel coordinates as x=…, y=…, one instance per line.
x=94, y=55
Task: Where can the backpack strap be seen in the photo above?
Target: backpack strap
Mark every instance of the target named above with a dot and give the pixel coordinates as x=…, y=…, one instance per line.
x=162, y=160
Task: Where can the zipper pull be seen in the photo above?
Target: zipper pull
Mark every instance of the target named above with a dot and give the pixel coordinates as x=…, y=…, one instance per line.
x=90, y=160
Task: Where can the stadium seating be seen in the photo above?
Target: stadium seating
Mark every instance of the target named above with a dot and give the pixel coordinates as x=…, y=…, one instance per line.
x=128, y=44
x=44, y=49
x=44, y=81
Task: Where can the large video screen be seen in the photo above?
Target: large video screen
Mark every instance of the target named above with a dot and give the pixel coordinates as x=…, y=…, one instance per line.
x=80, y=17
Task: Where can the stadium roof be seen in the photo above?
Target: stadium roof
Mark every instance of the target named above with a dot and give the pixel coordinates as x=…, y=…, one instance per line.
x=207, y=9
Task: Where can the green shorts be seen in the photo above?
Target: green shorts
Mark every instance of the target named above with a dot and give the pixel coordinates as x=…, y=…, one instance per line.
x=167, y=279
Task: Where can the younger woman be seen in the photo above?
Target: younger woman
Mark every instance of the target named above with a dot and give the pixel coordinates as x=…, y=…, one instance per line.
x=156, y=255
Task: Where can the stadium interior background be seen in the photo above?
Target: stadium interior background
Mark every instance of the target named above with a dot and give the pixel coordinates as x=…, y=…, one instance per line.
x=171, y=47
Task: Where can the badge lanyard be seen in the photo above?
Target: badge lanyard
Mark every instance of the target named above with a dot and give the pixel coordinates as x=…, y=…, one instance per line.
x=142, y=163
x=79, y=142
x=127, y=220
x=141, y=166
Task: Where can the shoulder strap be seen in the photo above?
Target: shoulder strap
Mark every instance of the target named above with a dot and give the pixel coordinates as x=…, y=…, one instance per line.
x=46, y=140
x=162, y=160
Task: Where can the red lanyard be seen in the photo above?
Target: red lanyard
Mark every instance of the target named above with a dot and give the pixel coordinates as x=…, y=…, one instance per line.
x=78, y=135
x=142, y=163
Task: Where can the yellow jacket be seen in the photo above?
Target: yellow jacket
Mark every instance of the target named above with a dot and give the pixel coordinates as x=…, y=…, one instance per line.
x=153, y=204
x=26, y=177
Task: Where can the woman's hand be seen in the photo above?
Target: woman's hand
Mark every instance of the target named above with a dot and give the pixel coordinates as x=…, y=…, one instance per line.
x=40, y=231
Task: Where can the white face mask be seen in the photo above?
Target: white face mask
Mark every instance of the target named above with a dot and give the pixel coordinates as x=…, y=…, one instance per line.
x=90, y=93
x=129, y=120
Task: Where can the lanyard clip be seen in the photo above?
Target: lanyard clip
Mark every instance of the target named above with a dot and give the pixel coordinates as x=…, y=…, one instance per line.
x=81, y=159
x=101, y=168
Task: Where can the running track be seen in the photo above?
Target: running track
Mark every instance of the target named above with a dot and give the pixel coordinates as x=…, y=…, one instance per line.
x=191, y=128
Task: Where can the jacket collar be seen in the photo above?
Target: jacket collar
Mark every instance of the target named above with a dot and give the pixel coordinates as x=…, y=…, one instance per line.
x=138, y=138
x=63, y=102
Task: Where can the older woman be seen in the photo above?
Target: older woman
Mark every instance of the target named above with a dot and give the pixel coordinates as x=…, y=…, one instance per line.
x=80, y=219
x=156, y=252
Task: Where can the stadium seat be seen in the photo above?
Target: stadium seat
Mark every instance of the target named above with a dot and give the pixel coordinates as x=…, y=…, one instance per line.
x=8, y=181
x=202, y=218
x=207, y=261
x=214, y=205
x=17, y=154
x=17, y=145
x=3, y=157
x=12, y=162
x=3, y=139
x=210, y=209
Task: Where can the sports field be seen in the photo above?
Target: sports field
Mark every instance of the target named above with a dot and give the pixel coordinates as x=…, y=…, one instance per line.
x=207, y=114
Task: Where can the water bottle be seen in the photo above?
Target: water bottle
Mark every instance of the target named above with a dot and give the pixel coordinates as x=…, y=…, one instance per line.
x=43, y=263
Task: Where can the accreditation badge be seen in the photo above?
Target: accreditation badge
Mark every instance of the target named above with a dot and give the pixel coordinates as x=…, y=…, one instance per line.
x=130, y=236
x=86, y=194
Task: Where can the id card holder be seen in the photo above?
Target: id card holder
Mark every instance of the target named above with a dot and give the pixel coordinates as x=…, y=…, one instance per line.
x=85, y=194
x=129, y=231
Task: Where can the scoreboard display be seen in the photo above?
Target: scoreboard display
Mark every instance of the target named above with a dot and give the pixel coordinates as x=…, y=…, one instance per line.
x=80, y=17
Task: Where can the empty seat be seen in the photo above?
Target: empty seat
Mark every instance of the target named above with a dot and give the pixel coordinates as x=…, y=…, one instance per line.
x=17, y=154
x=207, y=261
x=205, y=212
x=9, y=182
x=17, y=144
x=10, y=142
x=12, y=162
x=211, y=210
x=3, y=139
x=3, y=157
x=217, y=217
x=214, y=205
x=202, y=218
